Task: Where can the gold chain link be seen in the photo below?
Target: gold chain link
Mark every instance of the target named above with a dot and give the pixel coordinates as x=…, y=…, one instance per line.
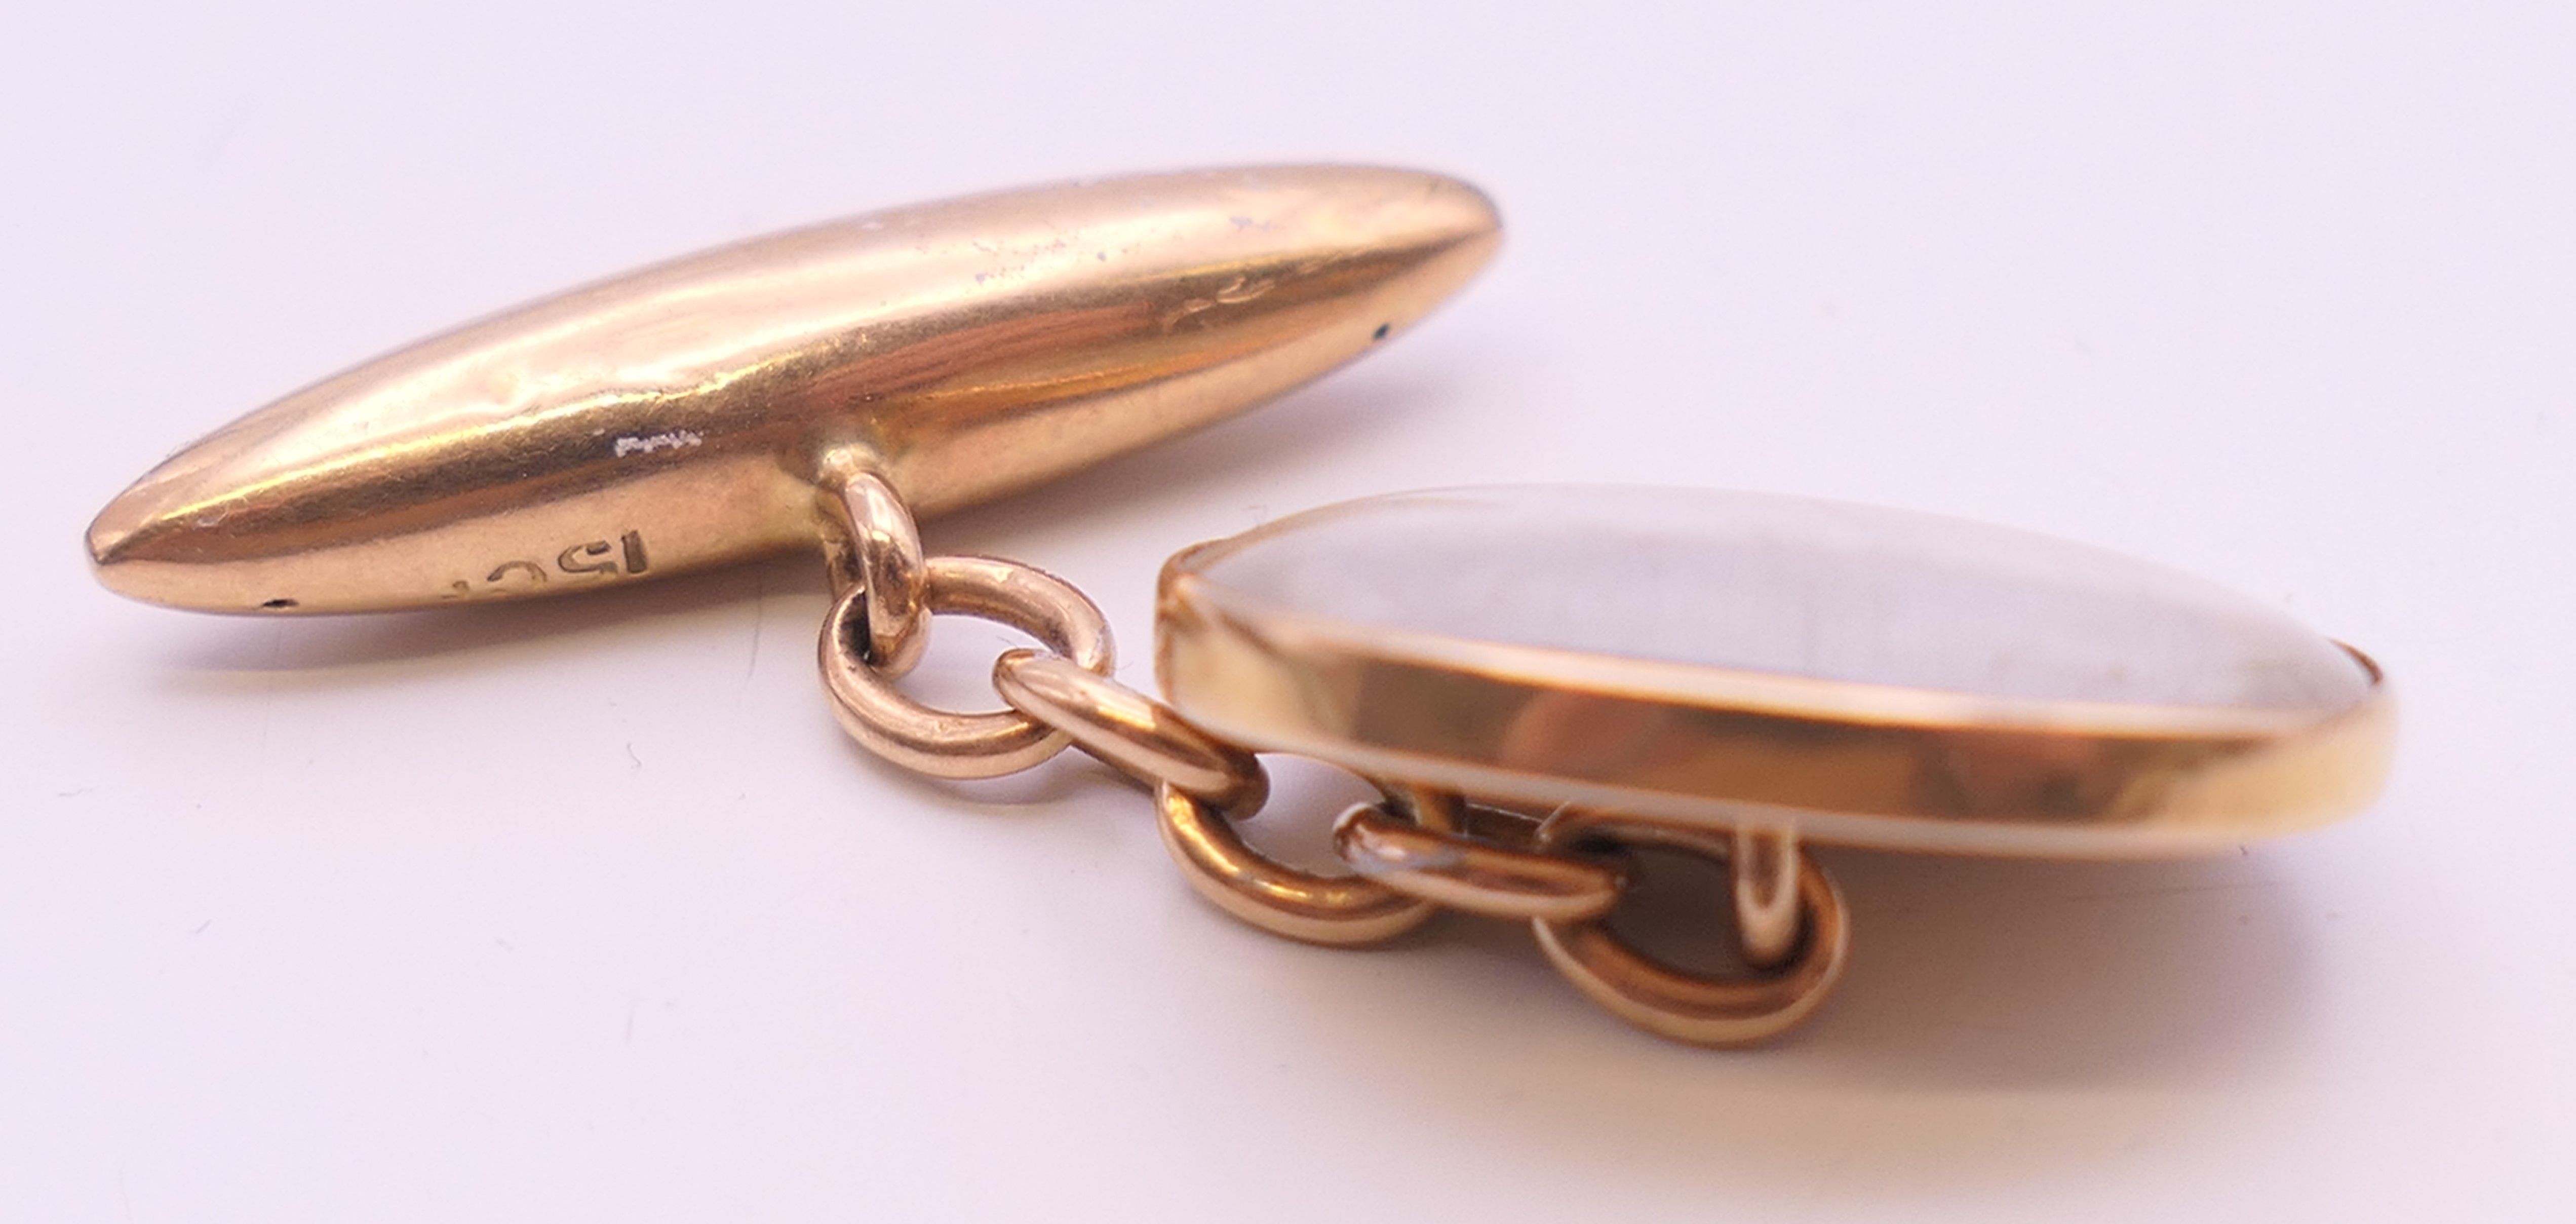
x=1414, y=854
x=1130, y=731
x=943, y=743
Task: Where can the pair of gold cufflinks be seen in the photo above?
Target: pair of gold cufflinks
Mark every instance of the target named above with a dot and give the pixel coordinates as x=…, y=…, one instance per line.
x=1542, y=681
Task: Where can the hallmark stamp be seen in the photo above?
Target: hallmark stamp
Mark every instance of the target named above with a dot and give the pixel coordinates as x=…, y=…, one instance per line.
x=589, y=559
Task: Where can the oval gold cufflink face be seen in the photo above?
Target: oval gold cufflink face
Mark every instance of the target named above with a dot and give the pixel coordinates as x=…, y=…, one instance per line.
x=685, y=415
x=1722, y=660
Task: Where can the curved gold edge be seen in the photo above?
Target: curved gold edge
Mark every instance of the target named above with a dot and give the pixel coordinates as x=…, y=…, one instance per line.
x=1716, y=686
x=1851, y=764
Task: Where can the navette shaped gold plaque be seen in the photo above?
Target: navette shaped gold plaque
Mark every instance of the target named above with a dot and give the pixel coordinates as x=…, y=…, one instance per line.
x=687, y=415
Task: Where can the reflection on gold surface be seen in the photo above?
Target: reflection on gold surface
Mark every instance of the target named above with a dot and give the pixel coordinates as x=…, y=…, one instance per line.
x=963, y=349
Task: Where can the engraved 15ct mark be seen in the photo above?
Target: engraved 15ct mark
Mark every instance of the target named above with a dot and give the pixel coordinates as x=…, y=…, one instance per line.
x=587, y=560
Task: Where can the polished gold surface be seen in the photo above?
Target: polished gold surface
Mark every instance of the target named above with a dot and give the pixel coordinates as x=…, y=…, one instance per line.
x=1690, y=1007
x=685, y=415
x=1705, y=746
x=1131, y=731
x=943, y=743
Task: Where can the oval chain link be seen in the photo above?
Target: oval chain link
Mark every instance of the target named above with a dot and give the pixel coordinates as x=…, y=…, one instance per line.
x=1417, y=852
x=1343, y=911
x=1130, y=731
x=944, y=743
x=1691, y=1007
x=1471, y=874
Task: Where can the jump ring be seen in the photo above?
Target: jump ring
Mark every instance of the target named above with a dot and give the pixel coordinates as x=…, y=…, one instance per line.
x=874, y=546
x=1336, y=910
x=942, y=743
x=1471, y=874
x=1685, y=1006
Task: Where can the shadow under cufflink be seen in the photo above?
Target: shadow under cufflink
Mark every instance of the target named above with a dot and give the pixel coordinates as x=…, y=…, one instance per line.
x=1999, y=1018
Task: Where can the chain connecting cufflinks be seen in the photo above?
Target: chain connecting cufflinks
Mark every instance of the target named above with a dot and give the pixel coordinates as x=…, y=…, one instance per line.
x=1538, y=680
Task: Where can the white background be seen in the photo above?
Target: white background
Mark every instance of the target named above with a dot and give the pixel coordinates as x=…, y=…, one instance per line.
x=585, y=910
